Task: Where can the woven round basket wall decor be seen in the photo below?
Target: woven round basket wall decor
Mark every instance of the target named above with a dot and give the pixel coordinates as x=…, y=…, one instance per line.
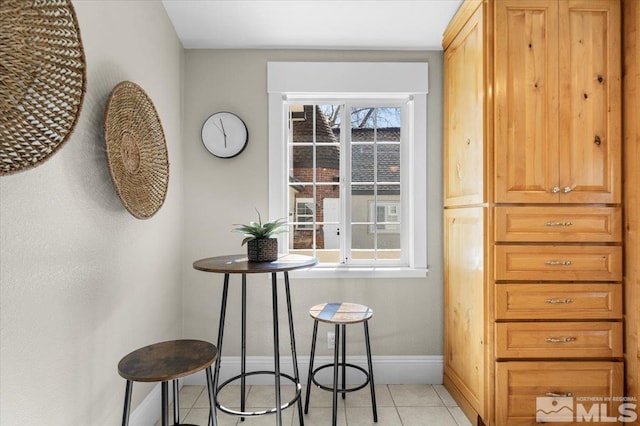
x=136, y=150
x=42, y=80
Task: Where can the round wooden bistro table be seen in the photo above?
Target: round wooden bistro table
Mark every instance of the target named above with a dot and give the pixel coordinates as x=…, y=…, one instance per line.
x=239, y=264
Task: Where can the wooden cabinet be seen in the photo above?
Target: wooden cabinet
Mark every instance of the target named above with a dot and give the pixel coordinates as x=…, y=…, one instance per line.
x=520, y=384
x=557, y=100
x=464, y=106
x=533, y=210
x=465, y=322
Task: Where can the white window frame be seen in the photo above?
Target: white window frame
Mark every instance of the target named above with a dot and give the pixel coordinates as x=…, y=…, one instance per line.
x=295, y=81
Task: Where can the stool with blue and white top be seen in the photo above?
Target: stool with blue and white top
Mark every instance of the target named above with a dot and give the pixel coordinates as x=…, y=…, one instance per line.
x=341, y=314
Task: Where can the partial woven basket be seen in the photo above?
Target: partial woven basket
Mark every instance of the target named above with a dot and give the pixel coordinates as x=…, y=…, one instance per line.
x=136, y=150
x=42, y=80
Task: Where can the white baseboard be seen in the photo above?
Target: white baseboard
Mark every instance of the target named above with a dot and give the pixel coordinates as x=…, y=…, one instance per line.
x=387, y=370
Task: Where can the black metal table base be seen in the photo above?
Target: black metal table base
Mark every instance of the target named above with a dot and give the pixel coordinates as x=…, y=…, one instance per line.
x=277, y=410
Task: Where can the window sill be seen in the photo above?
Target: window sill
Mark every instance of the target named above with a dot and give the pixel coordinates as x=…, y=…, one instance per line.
x=358, y=272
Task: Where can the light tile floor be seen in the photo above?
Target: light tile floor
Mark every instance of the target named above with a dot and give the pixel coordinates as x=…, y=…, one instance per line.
x=398, y=405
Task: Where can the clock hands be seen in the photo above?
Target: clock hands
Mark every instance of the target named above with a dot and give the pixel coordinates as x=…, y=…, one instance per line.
x=217, y=143
x=224, y=133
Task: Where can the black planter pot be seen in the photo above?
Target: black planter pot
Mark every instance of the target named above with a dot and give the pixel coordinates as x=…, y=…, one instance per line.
x=262, y=250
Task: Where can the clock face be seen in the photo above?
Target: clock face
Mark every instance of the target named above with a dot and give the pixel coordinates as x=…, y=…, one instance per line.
x=224, y=135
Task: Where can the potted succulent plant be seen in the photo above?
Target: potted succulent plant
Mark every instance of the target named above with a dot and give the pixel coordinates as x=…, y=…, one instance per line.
x=259, y=237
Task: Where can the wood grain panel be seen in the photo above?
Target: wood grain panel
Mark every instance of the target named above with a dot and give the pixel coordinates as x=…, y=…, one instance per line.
x=558, y=224
x=464, y=112
x=465, y=320
x=551, y=301
x=590, y=101
x=631, y=21
x=518, y=384
x=526, y=90
x=558, y=263
x=559, y=339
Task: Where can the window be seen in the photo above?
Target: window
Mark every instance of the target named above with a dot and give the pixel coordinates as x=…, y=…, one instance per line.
x=347, y=168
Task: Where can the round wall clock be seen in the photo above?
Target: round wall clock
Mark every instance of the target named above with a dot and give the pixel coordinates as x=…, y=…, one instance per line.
x=224, y=134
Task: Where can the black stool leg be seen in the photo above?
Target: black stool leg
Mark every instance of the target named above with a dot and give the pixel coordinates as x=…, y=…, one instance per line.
x=243, y=358
x=313, y=353
x=344, y=360
x=371, y=384
x=212, y=399
x=127, y=403
x=176, y=403
x=165, y=404
x=335, y=377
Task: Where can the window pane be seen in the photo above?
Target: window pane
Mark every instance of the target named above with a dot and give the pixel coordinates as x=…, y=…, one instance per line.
x=311, y=123
x=361, y=196
x=388, y=157
x=362, y=163
x=361, y=238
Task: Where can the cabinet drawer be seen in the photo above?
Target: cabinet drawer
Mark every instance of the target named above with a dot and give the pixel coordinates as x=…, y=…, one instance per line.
x=558, y=301
x=558, y=384
x=559, y=340
x=558, y=263
x=558, y=224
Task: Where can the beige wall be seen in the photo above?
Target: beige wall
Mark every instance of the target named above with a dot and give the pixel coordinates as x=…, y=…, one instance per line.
x=82, y=282
x=219, y=193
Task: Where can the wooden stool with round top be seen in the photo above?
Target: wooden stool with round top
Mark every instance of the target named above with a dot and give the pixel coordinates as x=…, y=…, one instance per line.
x=340, y=314
x=162, y=362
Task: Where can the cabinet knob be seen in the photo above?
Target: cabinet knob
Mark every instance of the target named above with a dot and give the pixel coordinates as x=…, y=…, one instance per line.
x=558, y=262
x=555, y=189
x=559, y=301
x=553, y=223
x=559, y=395
x=567, y=189
x=560, y=339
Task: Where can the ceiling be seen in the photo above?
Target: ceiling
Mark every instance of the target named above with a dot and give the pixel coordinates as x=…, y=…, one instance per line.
x=311, y=24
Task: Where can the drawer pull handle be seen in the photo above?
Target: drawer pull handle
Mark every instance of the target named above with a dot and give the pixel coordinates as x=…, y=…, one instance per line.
x=567, y=189
x=559, y=395
x=555, y=189
x=558, y=262
x=552, y=223
x=558, y=301
x=560, y=339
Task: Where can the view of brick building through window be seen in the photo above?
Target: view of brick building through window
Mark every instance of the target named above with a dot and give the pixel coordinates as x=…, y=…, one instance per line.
x=314, y=192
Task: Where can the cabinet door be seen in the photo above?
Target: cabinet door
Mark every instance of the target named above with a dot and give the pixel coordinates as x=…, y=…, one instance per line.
x=464, y=299
x=561, y=386
x=526, y=102
x=590, y=101
x=464, y=113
